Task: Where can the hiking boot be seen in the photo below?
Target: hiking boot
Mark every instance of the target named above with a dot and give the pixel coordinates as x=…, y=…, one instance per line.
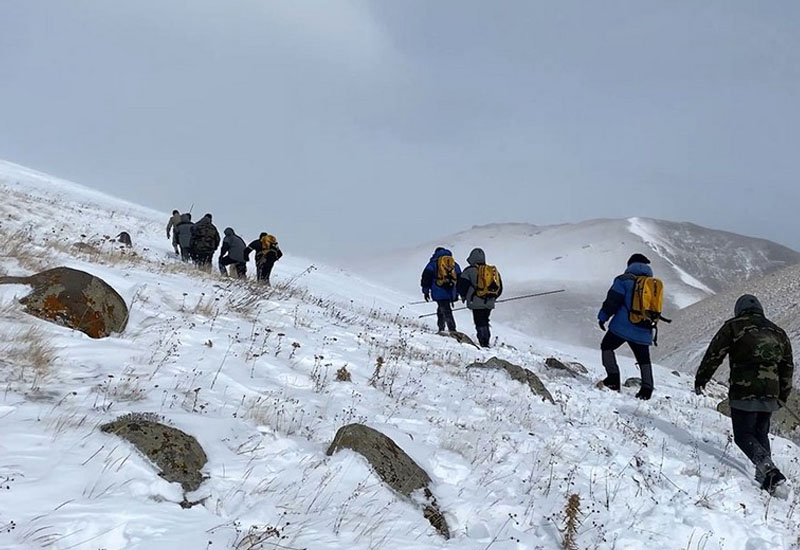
x=611, y=382
x=644, y=393
x=772, y=480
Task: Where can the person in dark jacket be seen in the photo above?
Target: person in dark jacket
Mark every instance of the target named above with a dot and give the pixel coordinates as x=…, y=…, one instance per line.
x=267, y=253
x=760, y=356
x=442, y=291
x=171, y=226
x=205, y=241
x=621, y=330
x=233, y=253
x=183, y=232
x=481, y=307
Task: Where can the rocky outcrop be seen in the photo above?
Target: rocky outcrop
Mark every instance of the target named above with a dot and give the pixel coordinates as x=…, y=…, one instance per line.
x=178, y=455
x=459, y=337
x=570, y=368
x=394, y=467
x=74, y=299
x=633, y=382
x=517, y=373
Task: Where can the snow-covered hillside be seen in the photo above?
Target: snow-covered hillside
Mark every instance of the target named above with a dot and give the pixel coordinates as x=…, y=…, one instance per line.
x=251, y=373
x=694, y=262
x=694, y=327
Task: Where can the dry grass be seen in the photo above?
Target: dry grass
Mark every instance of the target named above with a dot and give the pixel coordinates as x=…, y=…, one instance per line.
x=27, y=355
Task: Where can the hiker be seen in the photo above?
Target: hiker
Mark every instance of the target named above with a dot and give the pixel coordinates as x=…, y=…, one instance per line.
x=172, y=225
x=479, y=286
x=622, y=329
x=233, y=253
x=438, y=281
x=761, y=369
x=205, y=240
x=267, y=253
x=182, y=232
x=125, y=238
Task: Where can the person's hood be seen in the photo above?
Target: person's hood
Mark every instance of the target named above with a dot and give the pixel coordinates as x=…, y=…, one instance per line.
x=204, y=220
x=441, y=252
x=639, y=269
x=747, y=303
x=476, y=257
x=229, y=232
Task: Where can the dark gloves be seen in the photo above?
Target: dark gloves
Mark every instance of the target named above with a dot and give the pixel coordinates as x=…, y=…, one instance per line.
x=699, y=388
x=602, y=325
x=427, y=295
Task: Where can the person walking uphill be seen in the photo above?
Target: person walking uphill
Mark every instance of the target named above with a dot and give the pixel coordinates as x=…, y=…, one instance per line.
x=205, y=241
x=438, y=281
x=172, y=225
x=628, y=325
x=233, y=253
x=479, y=286
x=267, y=253
x=182, y=231
x=760, y=356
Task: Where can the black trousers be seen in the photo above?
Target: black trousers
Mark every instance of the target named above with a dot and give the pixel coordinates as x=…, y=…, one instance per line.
x=481, y=318
x=444, y=315
x=751, y=434
x=203, y=260
x=264, y=270
x=241, y=267
x=640, y=351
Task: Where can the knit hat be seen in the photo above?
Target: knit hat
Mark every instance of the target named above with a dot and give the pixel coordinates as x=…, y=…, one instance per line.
x=747, y=302
x=638, y=259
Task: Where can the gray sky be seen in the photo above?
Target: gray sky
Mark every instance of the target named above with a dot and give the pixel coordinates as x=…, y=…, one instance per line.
x=349, y=127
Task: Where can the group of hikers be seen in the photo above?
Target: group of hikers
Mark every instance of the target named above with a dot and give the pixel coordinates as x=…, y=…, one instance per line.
x=760, y=352
x=197, y=242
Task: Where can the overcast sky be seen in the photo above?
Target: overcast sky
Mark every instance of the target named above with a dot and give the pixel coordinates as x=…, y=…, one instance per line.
x=349, y=127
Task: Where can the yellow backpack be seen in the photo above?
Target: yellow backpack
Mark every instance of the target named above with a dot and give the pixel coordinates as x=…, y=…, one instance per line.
x=268, y=242
x=488, y=285
x=648, y=299
x=446, y=272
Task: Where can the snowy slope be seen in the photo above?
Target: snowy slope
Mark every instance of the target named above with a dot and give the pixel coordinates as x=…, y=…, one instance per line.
x=694, y=327
x=694, y=262
x=251, y=375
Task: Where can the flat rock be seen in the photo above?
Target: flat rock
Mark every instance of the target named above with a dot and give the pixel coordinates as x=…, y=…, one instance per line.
x=633, y=382
x=394, y=467
x=74, y=299
x=517, y=373
x=571, y=368
x=459, y=337
x=177, y=454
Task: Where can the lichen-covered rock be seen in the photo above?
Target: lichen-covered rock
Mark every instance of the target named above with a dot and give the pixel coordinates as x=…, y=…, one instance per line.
x=571, y=368
x=75, y=299
x=785, y=421
x=633, y=382
x=177, y=454
x=394, y=467
x=459, y=337
x=517, y=373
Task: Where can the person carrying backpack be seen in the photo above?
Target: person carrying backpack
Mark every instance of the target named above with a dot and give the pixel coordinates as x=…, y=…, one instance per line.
x=438, y=281
x=479, y=286
x=267, y=253
x=182, y=231
x=172, y=224
x=205, y=241
x=760, y=356
x=233, y=253
x=632, y=321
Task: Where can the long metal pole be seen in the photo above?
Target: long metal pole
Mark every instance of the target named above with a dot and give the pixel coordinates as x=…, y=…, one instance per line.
x=506, y=300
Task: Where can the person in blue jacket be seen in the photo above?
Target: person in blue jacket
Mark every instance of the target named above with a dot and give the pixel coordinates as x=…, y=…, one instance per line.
x=444, y=293
x=621, y=330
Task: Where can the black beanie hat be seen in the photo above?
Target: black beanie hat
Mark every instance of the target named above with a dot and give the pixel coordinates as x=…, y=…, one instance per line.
x=638, y=259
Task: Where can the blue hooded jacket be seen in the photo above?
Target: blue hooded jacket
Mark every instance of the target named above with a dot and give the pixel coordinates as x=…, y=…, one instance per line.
x=428, y=279
x=618, y=303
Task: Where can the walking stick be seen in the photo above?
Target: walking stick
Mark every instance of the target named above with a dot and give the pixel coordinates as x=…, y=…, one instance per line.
x=505, y=300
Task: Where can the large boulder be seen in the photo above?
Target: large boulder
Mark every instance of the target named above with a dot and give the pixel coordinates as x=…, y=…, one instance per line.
x=177, y=454
x=517, y=373
x=785, y=421
x=570, y=368
x=394, y=467
x=74, y=299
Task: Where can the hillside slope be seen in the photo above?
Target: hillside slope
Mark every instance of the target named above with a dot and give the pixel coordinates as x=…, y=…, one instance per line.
x=694, y=263
x=252, y=374
x=779, y=292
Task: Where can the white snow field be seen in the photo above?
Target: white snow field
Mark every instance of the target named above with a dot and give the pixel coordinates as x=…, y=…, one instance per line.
x=251, y=373
x=694, y=262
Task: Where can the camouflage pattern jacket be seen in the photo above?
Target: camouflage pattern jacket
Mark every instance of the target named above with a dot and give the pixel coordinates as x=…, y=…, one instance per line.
x=205, y=237
x=760, y=358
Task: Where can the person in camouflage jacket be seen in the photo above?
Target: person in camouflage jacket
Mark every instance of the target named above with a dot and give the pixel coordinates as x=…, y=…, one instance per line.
x=205, y=241
x=761, y=364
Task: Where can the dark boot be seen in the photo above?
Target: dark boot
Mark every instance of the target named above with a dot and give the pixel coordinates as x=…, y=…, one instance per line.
x=772, y=480
x=484, y=336
x=644, y=393
x=612, y=370
x=612, y=382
